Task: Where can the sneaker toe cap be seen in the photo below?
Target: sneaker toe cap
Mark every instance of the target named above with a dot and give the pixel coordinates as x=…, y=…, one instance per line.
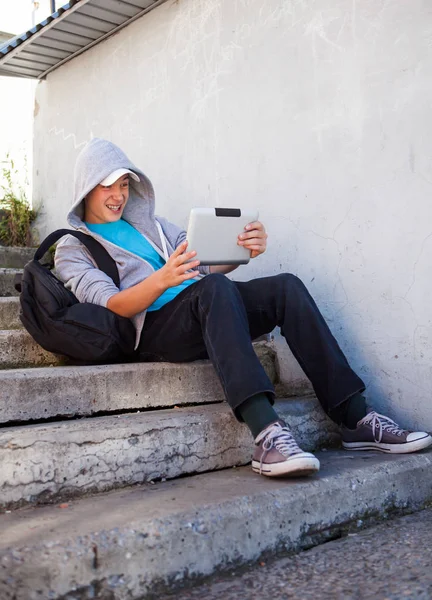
x=311, y=459
x=414, y=436
x=304, y=457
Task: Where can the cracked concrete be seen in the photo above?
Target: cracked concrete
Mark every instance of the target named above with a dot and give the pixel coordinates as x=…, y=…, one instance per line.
x=67, y=459
x=29, y=394
x=42, y=393
x=139, y=542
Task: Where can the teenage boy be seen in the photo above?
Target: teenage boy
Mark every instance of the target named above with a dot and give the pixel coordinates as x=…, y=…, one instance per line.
x=184, y=312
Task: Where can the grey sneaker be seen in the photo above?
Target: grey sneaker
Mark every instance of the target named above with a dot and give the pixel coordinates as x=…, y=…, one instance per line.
x=277, y=454
x=378, y=432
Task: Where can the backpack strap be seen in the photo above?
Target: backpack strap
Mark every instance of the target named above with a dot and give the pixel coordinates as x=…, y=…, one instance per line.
x=104, y=261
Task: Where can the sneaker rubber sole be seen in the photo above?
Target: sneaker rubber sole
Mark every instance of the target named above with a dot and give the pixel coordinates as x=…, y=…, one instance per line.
x=293, y=467
x=404, y=448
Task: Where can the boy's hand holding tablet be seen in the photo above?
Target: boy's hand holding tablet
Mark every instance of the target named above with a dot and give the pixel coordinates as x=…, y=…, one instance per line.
x=225, y=236
x=177, y=268
x=254, y=238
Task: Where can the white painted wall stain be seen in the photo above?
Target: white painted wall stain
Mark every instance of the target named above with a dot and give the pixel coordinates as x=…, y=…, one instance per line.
x=319, y=114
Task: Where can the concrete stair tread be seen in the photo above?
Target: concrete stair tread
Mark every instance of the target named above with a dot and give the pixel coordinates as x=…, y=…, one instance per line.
x=126, y=544
x=69, y=458
x=7, y=281
x=43, y=393
x=9, y=313
x=18, y=350
x=16, y=257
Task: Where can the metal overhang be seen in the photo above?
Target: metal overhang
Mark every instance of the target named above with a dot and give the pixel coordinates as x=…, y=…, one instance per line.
x=73, y=29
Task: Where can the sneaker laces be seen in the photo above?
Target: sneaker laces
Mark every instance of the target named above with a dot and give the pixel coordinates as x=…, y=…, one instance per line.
x=380, y=424
x=278, y=437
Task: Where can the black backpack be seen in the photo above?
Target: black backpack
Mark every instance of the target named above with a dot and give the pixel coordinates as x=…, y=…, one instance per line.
x=59, y=323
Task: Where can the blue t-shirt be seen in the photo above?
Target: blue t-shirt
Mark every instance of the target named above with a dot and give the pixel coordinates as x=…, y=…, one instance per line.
x=122, y=234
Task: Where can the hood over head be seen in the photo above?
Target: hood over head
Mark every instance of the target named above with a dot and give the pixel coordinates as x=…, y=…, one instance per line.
x=96, y=161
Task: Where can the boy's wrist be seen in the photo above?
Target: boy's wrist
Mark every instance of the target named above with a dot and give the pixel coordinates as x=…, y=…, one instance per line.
x=159, y=281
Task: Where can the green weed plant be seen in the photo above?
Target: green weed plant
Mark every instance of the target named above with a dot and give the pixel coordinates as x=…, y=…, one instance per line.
x=16, y=216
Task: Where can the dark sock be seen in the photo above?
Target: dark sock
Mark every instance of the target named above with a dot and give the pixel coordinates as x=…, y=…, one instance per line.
x=353, y=410
x=257, y=412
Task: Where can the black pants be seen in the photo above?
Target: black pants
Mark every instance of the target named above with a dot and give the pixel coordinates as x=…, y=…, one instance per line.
x=217, y=318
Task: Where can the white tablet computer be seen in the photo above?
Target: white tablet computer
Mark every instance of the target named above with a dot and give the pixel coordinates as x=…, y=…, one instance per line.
x=213, y=234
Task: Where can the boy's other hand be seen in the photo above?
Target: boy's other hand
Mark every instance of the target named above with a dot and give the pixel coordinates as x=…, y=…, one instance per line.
x=175, y=271
x=254, y=238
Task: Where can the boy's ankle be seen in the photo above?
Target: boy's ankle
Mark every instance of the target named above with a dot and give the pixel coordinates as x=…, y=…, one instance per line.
x=350, y=412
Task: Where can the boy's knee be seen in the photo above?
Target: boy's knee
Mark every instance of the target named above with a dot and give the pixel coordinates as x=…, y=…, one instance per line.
x=217, y=281
x=289, y=287
x=216, y=285
x=290, y=281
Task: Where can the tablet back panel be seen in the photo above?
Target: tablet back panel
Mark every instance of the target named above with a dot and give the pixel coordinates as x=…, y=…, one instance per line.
x=213, y=233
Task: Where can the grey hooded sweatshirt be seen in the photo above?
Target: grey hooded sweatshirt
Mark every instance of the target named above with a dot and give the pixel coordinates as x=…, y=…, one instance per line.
x=73, y=263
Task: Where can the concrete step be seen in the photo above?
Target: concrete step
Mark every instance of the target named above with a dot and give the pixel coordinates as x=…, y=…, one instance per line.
x=18, y=349
x=9, y=313
x=62, y=392
x=12, y=257
x=7, y=282
x=57, y=461
x=141, y=542
x=69, y=391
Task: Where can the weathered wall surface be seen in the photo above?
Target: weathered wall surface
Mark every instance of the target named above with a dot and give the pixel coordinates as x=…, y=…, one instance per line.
x=319, y=114
x=17, y=96
x=16, y=130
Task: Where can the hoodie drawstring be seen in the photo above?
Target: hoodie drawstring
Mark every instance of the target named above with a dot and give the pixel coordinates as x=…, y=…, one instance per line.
x=163, y=241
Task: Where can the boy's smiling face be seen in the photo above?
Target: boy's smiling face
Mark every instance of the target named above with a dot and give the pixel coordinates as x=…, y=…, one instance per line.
x=105, y=204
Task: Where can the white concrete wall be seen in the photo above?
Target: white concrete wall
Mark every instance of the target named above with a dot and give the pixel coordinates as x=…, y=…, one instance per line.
x=319, y=114
x=16, y=130
x=17, y=96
